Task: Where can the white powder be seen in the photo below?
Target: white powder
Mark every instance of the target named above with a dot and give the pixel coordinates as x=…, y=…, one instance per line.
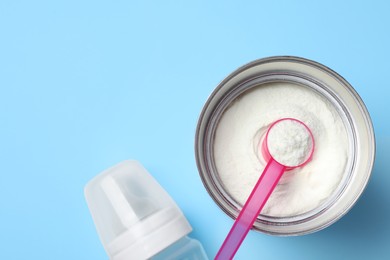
x=239, y=161
x=289, y=143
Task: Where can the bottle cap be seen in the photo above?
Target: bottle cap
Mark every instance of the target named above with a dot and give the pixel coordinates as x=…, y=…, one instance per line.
x=134, y=216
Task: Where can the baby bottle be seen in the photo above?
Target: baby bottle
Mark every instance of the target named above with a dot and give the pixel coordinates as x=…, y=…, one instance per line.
x=136, y=218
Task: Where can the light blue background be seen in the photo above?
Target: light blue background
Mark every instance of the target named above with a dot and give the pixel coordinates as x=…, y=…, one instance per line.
x=87, y=84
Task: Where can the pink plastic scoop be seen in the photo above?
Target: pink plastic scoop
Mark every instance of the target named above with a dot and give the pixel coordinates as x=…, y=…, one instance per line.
x=297, y=141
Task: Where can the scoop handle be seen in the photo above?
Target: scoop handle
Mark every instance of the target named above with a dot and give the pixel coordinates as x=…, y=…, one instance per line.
x=254, y=204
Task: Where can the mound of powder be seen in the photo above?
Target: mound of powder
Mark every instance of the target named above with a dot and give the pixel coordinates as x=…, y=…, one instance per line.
x=289, y=142
x=239, y=161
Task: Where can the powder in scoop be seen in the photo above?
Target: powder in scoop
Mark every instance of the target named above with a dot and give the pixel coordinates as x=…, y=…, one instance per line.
x=289, y=142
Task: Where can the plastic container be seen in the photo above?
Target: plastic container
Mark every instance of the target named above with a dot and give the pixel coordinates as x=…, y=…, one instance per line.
x=136, y=218
x=331, y=86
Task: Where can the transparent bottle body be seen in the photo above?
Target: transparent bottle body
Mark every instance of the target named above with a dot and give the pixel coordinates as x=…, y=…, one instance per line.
x=184, y=249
